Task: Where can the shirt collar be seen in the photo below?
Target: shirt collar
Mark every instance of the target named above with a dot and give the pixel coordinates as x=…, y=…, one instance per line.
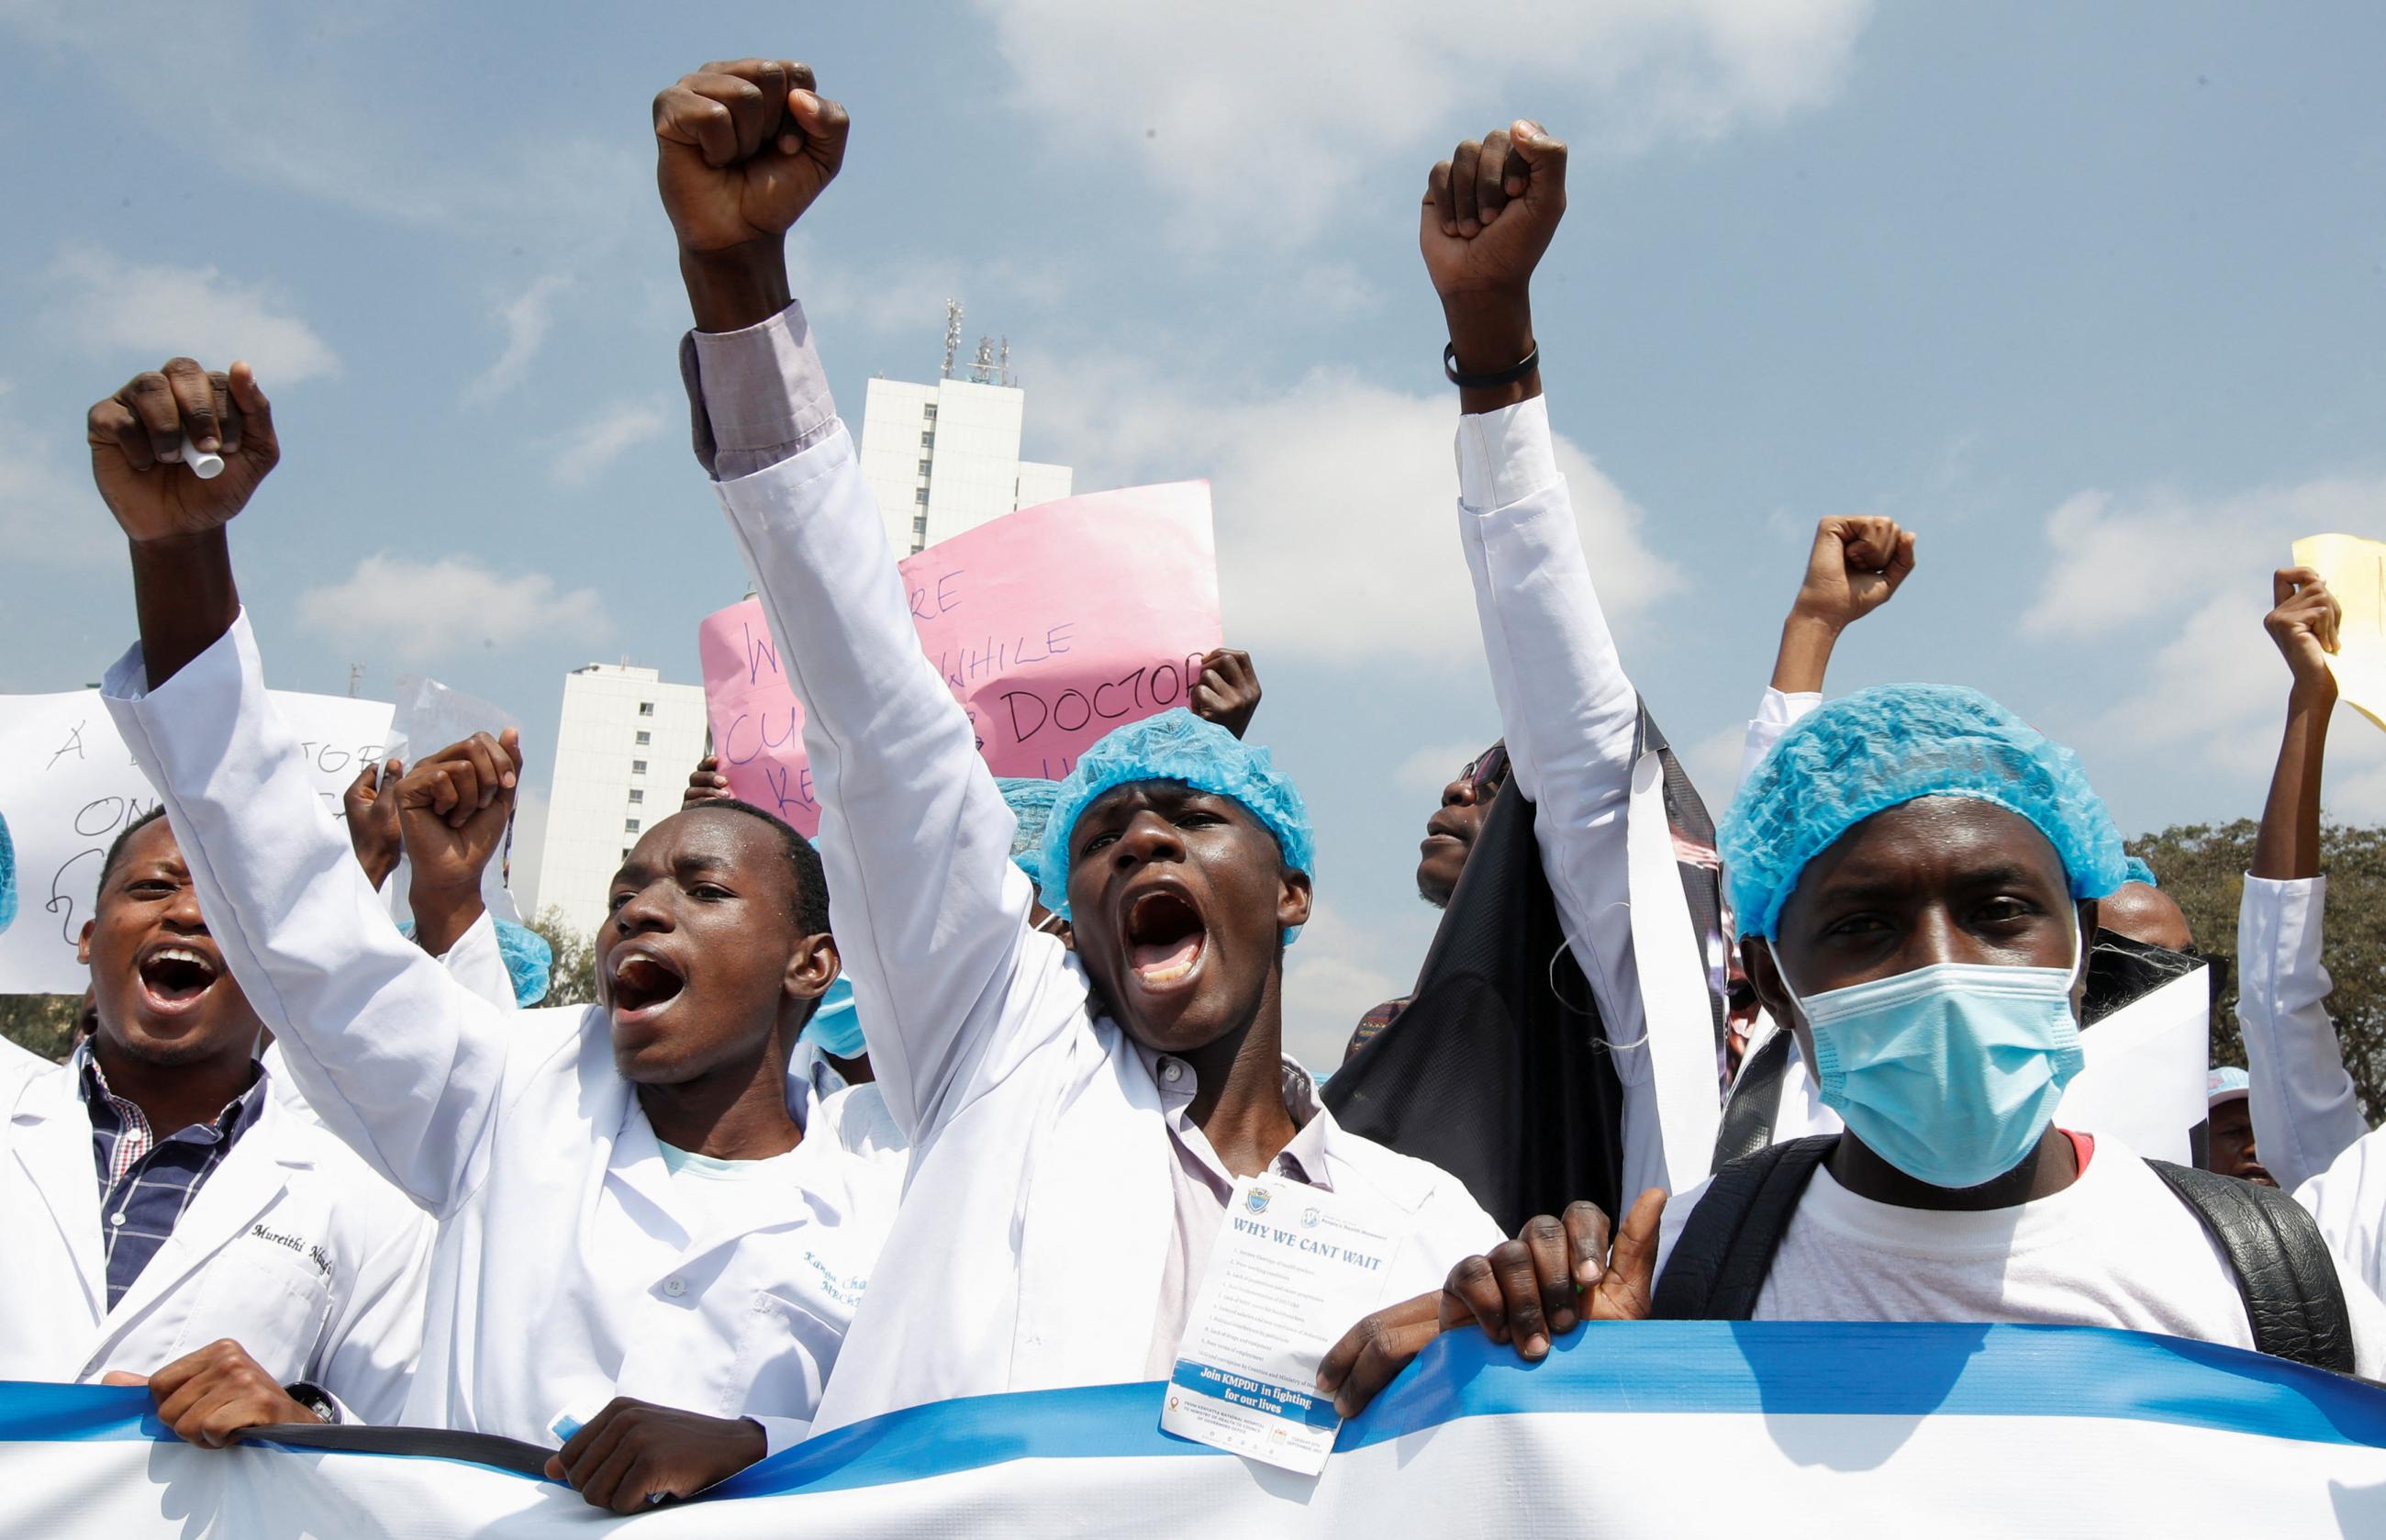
x=233, y=1120
x=1304, y=1157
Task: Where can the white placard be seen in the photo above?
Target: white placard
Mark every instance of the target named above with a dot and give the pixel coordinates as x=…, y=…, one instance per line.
x=68, y=785
x=2143, y=1082
x=1293, y=1267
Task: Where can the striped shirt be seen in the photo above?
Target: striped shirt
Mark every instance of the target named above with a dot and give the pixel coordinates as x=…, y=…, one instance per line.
x=145, y=1182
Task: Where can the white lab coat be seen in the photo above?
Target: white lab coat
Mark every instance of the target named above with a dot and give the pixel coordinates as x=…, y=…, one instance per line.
x=2307, y=1120
x=1032, y=1243
x=1571, y=718
x=564, y=1274
x=291, y=1249
x=476, y=964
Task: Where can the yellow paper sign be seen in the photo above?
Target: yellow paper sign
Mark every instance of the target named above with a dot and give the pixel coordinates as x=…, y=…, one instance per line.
x=2355, y=571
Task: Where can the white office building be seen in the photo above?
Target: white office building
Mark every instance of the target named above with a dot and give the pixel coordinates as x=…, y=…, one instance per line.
x=622, y=753
x=944, y=458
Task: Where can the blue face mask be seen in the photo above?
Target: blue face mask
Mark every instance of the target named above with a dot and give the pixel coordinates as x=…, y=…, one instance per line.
x=836, y=1029
x=1951, y=1073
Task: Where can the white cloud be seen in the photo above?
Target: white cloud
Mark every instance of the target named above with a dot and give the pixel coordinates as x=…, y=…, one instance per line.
x=1255, y=114
x=1430, y=768
x=1333, y=975
x=2115, y=561
x=156, y=311
x=2169, y=590
x=526, y=318
x=579, y=455
x=1337, y=538
x=48, y=512
x=1713, y=764
x=420, y=610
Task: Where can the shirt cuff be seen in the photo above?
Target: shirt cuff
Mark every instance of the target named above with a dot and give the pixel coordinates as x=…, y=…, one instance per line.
x=757, y=395
x=1506, y=456
x=1779, y=708
x=2293, y=906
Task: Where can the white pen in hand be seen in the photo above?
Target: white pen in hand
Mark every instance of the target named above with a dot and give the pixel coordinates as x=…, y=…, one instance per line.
x=206, y=466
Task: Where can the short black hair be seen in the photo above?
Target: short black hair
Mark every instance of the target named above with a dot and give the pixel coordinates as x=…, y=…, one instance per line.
x=812, y=879
x=116, y=846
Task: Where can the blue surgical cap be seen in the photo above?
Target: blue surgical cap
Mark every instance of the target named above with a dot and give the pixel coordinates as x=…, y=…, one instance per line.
x=836, y=1026
x=8, y=877
x=1178, y=746
x=2139, y=872
x=529, y=960
x=1891, y=744
x=1031, y=804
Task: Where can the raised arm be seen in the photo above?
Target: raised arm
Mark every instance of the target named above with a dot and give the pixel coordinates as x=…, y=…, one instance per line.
x=1856, y=566
x=2306, y=1113
x=930, y=915
x=395, y=1056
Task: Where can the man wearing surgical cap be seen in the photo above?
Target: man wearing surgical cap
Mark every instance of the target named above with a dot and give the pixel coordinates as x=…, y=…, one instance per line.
x=1077, y=1120
x=1915, y=870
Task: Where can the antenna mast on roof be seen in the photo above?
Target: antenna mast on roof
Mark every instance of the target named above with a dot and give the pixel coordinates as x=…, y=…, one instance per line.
x=952, y=334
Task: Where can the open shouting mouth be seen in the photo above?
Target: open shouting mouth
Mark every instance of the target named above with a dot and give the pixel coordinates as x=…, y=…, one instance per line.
x=175, y=977
x=642, y=984
x=1165, y=937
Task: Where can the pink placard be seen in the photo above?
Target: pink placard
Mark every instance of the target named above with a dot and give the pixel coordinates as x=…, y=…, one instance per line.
x=1052, y=625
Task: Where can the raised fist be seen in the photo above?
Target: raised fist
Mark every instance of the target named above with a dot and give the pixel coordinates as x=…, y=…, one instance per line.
x=453, y=808
x=1228, y=690
x=2303, y=625
x=136, y=448
x=1856, y=566
x=742, y=149
x=1491, y=209
x=370, y=803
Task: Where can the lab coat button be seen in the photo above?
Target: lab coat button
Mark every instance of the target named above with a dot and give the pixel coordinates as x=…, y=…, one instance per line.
x=762, y=1304
x=674, y=1286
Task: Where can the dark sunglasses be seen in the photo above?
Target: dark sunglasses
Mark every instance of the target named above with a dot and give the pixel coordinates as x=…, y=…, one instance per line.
x=1488, y=774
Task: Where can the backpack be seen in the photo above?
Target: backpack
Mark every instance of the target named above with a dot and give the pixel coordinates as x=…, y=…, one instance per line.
x=2285, y=1274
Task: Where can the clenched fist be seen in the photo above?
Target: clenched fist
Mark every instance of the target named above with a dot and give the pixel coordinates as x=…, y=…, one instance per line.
x=1491, y=209
x=741, y=150
x=136, y=448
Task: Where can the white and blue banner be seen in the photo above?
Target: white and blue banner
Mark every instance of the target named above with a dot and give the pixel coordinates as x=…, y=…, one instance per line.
x=1755, y=1432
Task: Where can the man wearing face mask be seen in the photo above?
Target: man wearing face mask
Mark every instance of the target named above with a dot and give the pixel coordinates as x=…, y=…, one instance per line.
x=1914, y=869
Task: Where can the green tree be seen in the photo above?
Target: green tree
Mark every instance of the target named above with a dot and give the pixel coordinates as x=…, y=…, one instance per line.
x=43, y=1023
x=2203, y=868
x=573, y=980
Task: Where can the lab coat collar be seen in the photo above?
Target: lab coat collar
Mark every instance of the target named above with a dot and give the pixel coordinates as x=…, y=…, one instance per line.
x=637, y=1164
x=253, y=1173
x=52, y=1139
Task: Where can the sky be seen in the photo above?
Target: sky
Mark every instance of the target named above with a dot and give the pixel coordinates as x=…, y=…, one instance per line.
x=2092, y=297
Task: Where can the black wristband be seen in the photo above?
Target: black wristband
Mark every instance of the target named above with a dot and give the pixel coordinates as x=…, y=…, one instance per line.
x=1509, y=376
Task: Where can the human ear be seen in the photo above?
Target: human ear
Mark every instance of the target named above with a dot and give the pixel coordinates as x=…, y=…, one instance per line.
x=1293, y=900
x=2087, y=910
x=1764, y=977
x=812, y=968
x=83, y=943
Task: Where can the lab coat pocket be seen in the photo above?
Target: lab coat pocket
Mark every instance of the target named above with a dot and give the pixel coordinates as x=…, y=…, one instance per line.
x=785, y=1352
x=270, y=1298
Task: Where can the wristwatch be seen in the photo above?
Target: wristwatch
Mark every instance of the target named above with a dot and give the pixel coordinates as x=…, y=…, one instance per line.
x=315, y=1398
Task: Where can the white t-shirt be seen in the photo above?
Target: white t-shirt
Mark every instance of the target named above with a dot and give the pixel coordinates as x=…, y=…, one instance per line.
x=2115, y=1248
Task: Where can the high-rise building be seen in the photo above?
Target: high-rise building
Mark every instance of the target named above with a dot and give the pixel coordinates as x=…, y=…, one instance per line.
x=944, y=458
x=622, y=756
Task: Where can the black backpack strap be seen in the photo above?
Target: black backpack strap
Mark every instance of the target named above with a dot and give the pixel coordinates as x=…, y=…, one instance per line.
x=1718, y=1264
x=2285, y=1273
x=1754, y=1102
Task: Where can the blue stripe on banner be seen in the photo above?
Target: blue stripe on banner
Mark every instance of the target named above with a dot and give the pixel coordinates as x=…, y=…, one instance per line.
x=1310, y=1411
x=1651, y=1368
x=35, y=1411
x=1644, y=1369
